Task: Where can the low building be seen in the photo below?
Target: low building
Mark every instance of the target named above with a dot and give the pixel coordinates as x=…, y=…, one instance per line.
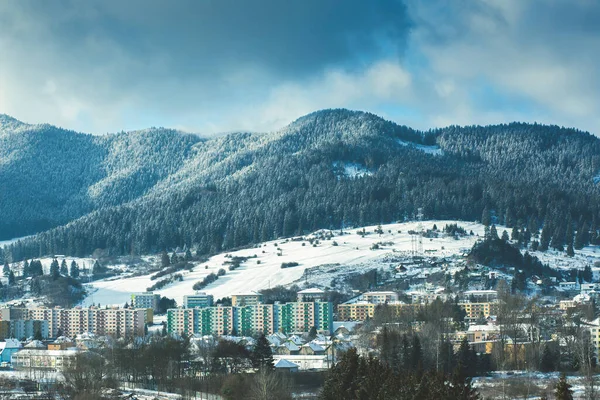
x=8, y=348
x=52, y=360
x=198, y=300
x=312, y=294
x=380, y=297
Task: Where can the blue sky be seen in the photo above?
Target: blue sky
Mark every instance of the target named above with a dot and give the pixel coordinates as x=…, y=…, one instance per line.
x=211, y=66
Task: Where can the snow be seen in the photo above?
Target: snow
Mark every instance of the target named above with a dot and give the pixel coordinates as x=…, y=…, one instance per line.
x=433, y=150
x=353, y=170
x=11, y=241
x=352, y=254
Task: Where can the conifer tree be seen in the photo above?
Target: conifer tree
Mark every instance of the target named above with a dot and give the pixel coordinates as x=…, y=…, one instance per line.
x=11, y=278
x=547, y=363
x=514, y=235
x=54, y=269
x=165, y=261
x=505, y=236
x=64, y=270
x=74, y=271
x=6, y=269
x=570, y=251
x=262, y=356
x=26, y=271
x=563, y=389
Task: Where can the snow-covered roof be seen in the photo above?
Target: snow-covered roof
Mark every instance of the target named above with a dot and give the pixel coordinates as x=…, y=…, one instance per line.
x=474, y=328
x=315, y=347
x=291, y=346
x=311, y=291
x=10, y=344
x=282, y=363
x=35, y=344
x=62, y=339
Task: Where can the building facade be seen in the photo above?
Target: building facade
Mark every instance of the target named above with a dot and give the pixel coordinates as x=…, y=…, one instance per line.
x=200, y=299
x=251, y=320
x=145, y=300
x=380, y=297
x=118, y=322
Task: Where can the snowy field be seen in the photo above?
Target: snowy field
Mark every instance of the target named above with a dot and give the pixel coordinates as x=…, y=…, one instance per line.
x=353, y=253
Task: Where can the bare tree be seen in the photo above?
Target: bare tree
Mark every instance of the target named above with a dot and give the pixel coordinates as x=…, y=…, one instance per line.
x=270, y=385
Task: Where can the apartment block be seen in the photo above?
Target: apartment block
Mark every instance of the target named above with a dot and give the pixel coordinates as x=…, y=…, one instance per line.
x=355, y=311
x=251, y=320
x=479, y=310
x=119, y=322
x=200, y=299
x=23, y=328
x=145, y=300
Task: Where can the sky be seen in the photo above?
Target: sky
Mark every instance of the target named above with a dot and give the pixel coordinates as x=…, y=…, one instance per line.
x=213, y=66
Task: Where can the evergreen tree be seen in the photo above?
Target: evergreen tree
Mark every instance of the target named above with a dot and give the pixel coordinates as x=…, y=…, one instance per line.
x=563, y=389
x=6, y=269
x=505, y=236
x=54, y=269
x=515, y=233
x=312, y=333
x=493, y=232
x=188, y=255
x=64, y=270
x=582, y=237
x=570, y=251
x=262, y=356
x=548, y=361
x=485, y=217
x=11, y=278
x=466, y=359
x=558, y=238
x=546, y=236
x=26, y=271
x=416, y=354
x=174, y=258
x=164, y=260
x=74, y=272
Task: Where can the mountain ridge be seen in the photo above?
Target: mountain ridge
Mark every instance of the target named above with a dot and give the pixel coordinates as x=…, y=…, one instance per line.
x=242, y=187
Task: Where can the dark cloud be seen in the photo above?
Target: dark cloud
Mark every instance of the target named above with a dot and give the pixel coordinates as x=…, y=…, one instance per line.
x=188, y=38
x=169, y=55
x=213, y=65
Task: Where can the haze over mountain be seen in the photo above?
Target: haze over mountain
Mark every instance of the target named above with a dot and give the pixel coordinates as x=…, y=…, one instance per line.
x=155, y=189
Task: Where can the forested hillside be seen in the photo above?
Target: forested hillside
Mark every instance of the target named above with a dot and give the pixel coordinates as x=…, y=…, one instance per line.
x=50, y=176
x=158, y=189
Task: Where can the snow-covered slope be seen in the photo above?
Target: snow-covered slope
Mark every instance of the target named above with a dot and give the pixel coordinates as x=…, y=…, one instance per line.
x=352, y=252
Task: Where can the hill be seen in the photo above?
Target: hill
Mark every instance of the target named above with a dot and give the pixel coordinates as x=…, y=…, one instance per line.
x=147, y=191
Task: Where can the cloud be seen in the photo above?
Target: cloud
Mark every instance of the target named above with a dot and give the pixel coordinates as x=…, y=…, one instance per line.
x=221, y=65
x=116, y=58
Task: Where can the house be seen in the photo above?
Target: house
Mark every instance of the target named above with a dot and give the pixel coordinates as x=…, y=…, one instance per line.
x=285, y=365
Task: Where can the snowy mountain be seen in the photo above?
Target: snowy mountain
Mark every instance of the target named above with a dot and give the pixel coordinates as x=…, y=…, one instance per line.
x=146, y=191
